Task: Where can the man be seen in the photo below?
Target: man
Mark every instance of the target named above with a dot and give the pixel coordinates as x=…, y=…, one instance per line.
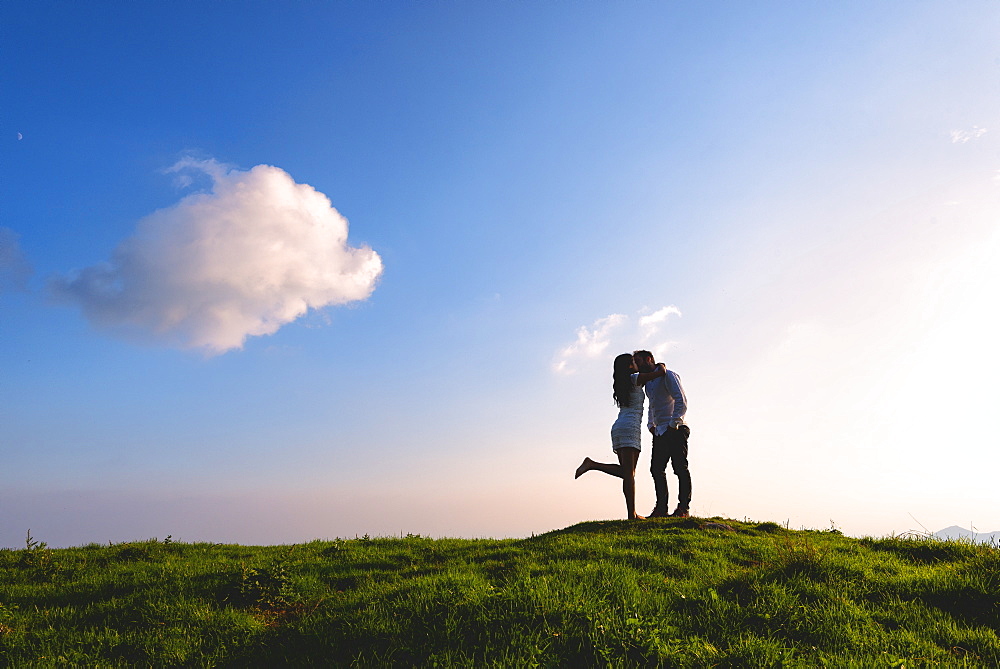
x=667, y=406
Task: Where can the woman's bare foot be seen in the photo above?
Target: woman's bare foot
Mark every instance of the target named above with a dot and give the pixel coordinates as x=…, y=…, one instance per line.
x=583, y=468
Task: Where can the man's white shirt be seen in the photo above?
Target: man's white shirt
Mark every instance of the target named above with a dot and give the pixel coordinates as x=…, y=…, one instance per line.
x=667, y=404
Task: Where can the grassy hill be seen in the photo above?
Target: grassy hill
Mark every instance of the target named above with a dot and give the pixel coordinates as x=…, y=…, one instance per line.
x=674, y=593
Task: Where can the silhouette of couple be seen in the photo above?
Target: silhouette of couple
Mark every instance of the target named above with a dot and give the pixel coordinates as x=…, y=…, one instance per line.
x=667, y=405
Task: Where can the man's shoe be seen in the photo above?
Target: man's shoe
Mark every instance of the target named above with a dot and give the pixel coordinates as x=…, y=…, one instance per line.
x=680, y=513
x=658, y=514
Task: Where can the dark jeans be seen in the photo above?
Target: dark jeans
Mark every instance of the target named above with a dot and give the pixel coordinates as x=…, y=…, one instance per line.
x=671, y=446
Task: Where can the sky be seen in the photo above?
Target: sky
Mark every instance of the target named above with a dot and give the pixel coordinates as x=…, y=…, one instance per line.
x=276, y=272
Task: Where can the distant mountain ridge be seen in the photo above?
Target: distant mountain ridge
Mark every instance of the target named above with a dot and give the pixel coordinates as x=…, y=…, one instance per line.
x=956, y=532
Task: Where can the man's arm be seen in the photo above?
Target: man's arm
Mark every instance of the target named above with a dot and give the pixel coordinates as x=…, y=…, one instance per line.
x=646, y=377
x=673, y=383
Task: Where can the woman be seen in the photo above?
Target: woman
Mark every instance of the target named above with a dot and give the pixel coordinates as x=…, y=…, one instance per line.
x=627, y=385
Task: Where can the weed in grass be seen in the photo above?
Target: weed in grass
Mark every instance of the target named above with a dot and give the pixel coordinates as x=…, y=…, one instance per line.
x=769, y=528
x=37, y=561
x=800, y=555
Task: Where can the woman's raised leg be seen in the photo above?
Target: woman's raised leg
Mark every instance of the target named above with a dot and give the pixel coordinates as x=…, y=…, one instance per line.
x=625, y=470
x=588, y=464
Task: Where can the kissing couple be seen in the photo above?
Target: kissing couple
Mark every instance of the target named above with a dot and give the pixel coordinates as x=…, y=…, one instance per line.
x=633, y=374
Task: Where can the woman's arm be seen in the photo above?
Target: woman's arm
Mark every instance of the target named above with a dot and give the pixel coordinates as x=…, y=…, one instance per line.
x=646, y=377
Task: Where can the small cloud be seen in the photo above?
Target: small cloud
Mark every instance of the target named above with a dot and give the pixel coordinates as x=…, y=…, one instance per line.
x=590, y=342
x=252, y=253
x=963, y=136
x=649, y=325
x=14, y=266
x=616, y=332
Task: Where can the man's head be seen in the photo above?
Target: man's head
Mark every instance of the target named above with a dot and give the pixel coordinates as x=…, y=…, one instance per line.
x=644, y=360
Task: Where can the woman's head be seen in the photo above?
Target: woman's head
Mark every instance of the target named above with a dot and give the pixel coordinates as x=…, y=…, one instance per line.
x=624, y=364
x=621, y=384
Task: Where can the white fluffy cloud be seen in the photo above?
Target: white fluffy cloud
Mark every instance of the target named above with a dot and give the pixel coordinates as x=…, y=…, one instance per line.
x=650, y=324
x=627, y=334
x=590, y=342
x=255, y=252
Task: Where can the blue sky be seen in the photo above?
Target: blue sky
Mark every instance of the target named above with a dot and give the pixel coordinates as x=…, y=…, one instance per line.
x=795, y=205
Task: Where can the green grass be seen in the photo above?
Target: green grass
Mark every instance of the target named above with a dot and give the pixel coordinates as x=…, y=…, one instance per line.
x=672, y=593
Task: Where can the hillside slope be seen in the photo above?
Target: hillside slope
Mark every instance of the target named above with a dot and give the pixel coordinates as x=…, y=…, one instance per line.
x=675, y=593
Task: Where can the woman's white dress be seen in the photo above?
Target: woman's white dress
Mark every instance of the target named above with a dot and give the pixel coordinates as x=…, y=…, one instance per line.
x=627, y=429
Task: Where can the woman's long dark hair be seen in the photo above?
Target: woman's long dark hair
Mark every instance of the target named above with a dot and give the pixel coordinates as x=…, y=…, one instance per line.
x=621, y=383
